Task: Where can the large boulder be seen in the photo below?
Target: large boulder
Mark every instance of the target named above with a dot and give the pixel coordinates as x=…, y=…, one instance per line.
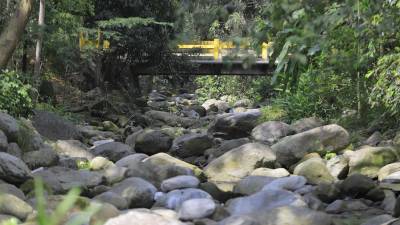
x=13, y=169
x=136, y=191
x=55, y=127
x=270, y=132
x=263, y=201
x=330, y=138
x=369, y=160
x=73, y=149
x=235, y=125
x=152, y=142
x=240, y=162
x=159, y=118
x=9, y=126
x=114, y=151
x=315, y=171
x=60, y=180
x=191, y=145
x=144, y=217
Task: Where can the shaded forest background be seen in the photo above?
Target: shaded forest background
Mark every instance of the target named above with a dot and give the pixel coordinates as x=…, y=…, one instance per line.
x=335, y=59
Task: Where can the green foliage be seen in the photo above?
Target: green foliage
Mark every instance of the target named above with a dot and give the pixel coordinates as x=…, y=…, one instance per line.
x=83, y=164
x=386, y=90
x=246, y=87
x=330, y=155
x=15, y=95
x=273, y=112
x=12, y=221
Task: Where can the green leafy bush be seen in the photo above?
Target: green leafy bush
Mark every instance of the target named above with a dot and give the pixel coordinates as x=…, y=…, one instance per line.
x=273, y=112
x=15, y=95
x=387, y=83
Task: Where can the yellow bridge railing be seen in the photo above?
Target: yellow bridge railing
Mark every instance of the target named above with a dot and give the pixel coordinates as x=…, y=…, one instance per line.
x=99, y=42
x=215, y=46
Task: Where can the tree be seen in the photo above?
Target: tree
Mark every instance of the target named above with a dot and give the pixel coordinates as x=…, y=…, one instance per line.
x=12, y=33
x=42, y=10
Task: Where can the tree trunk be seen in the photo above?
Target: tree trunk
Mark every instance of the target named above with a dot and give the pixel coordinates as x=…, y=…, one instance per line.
x=12, y=33
x=39, y=42
x=8, y=5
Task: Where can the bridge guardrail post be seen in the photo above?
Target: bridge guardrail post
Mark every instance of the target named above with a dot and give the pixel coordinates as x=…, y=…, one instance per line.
x=216, y=49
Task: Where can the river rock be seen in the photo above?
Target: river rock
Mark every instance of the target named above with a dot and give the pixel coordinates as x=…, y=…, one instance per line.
x=281, y=216
x=191, y=145
x=161, y=160
x=152, y=142
x=179, y=182
x=315, y=171
x=3, y=142
x=270, y=132
x=9, y=126
x=13, y=169
x=113, y=199
x=143, y=217
x=61, y=179
x=11, y=189
x=159, y=118
x=45, y=157
x=387, y=170
x=292, y=183
x=131, y=159
x=14, y=149
x=338, y=166
x=114, y=151
x=252, y=184
x=12, y=205
x=196, y=209
x=369, y=160
x=263, y=201
x=267, y=172
x=240, y=162
x=291, y=149
x=306, y=124
x=73, y=149
x=55, y=127
x=175, y=198
x=215, y=105
x=235, y=125
x=357, y=185
x=137, y=192
x=224, y=147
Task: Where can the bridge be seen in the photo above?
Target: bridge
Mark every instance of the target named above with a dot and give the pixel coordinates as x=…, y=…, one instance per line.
x=214, y=57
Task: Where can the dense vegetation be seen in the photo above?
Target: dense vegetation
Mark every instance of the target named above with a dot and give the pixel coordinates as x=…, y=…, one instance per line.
x=330, y=56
